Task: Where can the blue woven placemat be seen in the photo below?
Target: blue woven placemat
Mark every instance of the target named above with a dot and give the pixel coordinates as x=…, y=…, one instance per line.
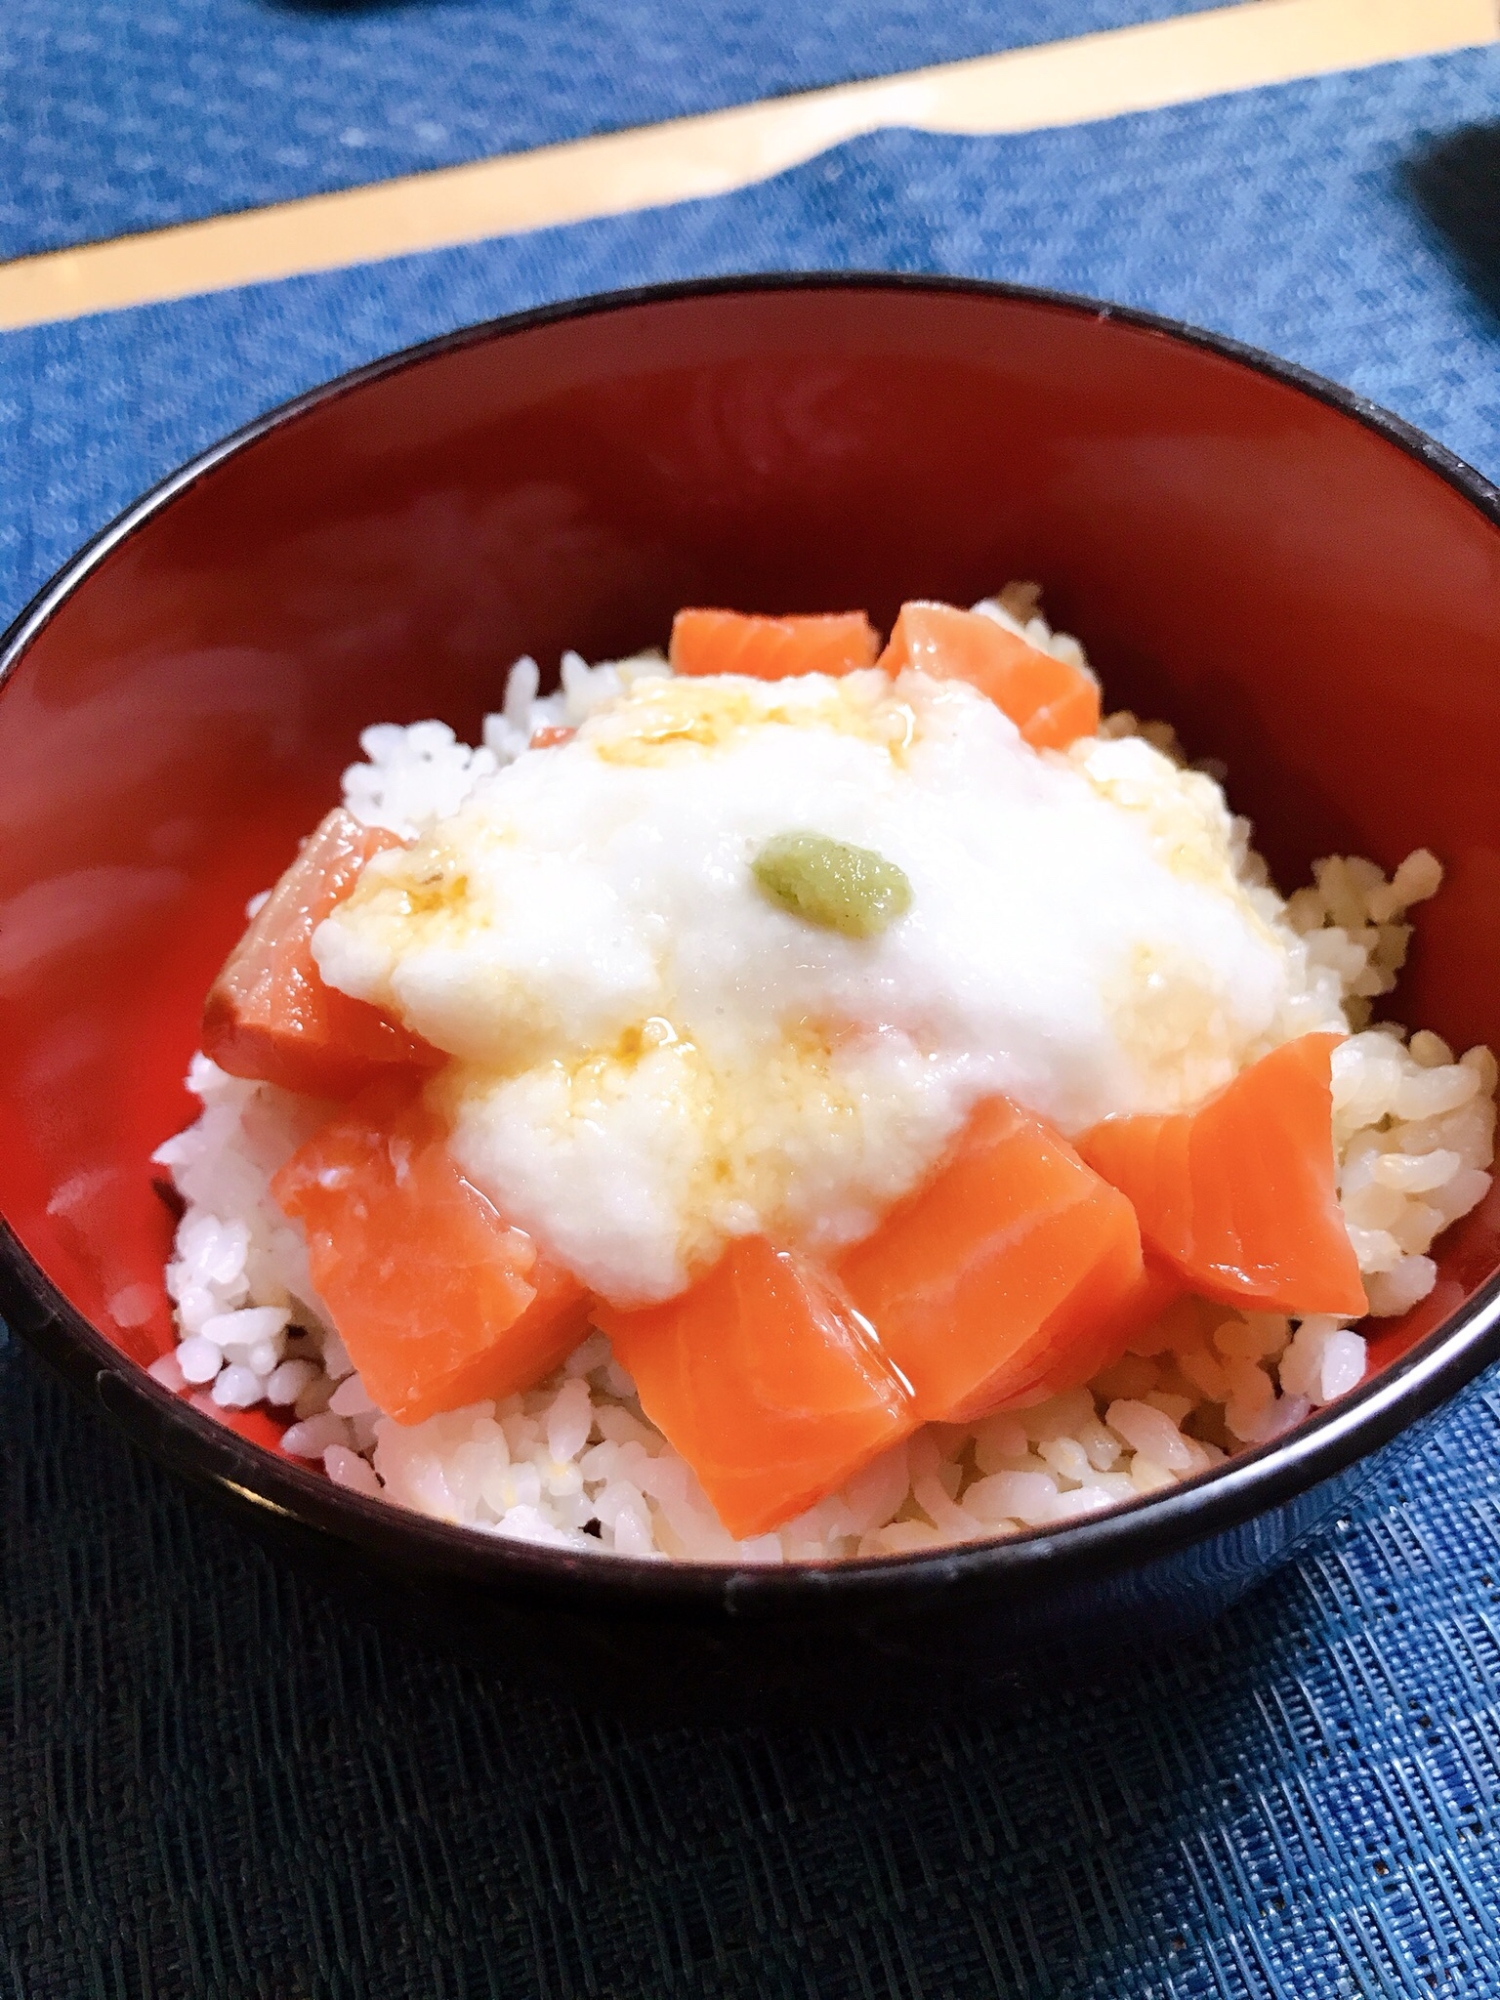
x=119, y=115
x=1278, y=216
x=213, y=1785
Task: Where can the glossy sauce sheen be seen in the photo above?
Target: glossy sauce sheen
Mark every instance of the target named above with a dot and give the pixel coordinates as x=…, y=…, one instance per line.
x=440, y=1301
x=1239, y=1197
x=269, y=1016
x=699, y=446
x=767, y=1381
x=653, y=1057
x=1010, y=1275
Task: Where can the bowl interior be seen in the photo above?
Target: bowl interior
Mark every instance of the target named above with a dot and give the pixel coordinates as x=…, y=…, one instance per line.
x=1301, y=595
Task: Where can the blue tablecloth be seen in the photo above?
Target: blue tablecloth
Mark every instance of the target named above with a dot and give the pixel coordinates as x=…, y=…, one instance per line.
x=214, y=1785
x=118, y=115
x=1278, y=216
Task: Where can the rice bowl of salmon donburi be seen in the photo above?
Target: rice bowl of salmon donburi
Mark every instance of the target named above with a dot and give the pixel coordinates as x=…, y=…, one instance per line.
x=717, y=1055
x=786, y=1098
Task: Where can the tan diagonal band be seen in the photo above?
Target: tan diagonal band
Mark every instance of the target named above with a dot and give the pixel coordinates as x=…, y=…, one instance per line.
x=1065, y=83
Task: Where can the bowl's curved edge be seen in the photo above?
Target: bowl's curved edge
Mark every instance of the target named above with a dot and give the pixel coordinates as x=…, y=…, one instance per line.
x=215, y=1458
x=1252, y=1483
x=1437, y=458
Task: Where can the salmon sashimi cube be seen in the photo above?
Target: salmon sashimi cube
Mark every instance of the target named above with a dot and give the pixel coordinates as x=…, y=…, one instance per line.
x=1159, y=1291
x=1050, y=701
x=270, y=1017
x=766, y=1380
x=1012, y=1274
x=1240, y=1196
x=439, y=1302
x=771, y=649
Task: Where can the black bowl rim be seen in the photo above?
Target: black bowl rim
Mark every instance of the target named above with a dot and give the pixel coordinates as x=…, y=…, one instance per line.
x=1251, y=1483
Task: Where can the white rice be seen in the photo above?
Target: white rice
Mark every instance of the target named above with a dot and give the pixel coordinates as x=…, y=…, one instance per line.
x=574, y=1462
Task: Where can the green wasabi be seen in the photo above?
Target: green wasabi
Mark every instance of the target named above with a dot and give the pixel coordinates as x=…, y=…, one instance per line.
x=829, y=883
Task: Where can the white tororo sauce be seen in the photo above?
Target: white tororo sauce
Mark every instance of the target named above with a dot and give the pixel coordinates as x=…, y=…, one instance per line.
x=652, y=1056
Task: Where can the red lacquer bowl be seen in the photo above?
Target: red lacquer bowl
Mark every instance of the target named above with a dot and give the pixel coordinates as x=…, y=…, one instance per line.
x=1306, y=587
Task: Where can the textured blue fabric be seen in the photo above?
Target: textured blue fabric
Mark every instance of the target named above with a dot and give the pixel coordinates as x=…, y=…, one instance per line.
x=119, y=115
x=1277, y=216
x=214, y=1786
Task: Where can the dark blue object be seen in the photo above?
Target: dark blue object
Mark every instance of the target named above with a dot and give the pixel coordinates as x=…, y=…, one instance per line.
x=120, y=116
x=1455, y=181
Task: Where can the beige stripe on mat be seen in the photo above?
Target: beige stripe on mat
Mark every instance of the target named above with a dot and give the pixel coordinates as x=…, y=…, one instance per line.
x=1064, y=83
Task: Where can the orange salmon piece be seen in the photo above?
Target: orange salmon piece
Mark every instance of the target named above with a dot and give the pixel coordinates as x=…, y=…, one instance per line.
x=1014, y=1273
x=766, y=1380
x=269, y=1015
x=1240, y=1195
x=1159, y=1287
x=1049, y=701
x=439, y=1302
x=771, y=649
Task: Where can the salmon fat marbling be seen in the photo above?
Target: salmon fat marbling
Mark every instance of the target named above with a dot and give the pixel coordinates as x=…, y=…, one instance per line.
x=790, y=1098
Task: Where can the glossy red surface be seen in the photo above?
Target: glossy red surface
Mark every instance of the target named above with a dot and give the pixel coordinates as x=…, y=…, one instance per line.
x=1298, y=593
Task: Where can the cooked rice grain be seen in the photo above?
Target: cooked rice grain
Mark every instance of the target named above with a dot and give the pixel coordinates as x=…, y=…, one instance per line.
x=574, y=1462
